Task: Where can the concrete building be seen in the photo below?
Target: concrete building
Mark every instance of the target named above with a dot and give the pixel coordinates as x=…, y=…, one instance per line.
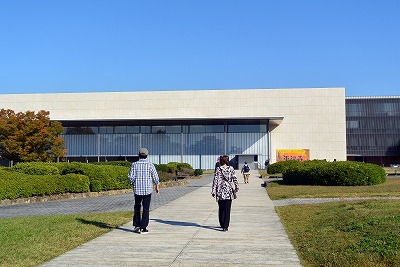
x=252, y=125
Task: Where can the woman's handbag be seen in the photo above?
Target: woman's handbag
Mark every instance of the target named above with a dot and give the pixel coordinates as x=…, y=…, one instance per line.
x=231, y=184
x=234, y=193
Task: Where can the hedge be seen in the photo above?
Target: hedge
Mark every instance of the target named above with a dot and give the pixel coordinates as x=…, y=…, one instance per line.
x=341, y=173
x=281, y=166
x=39, y=178
x=35, y=168
x=18, y=185
x=116, y=163
x=102, y=177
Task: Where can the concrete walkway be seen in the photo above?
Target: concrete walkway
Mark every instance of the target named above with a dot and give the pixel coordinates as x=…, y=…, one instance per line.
x=185, y=232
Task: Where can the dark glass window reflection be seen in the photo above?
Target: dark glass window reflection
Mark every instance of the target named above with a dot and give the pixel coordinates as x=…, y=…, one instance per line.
x=120, y=130
x=215, y=128
x=158, y=129
x=197, y=128
x=106, y=129
x=244, y=128
x=145, y=129
x=132, y=129
x=173, y=129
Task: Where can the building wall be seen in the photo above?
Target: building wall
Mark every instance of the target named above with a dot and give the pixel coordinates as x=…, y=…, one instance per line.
x=373, y=129
x=313, y=118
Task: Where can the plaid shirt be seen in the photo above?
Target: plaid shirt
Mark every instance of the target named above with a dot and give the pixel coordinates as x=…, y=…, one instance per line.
x=141, y=176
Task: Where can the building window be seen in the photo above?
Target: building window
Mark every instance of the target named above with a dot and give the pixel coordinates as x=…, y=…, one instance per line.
x=352, y=124
x=197, y=129
x=158, y=129
x=173, y=129
x=106, y=129
x=215, y=128
x=145, y=129
x=246, y=128
x=132, y=129
x=120, y=129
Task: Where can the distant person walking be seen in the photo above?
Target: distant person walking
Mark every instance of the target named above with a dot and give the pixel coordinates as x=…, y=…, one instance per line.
x=141, y=176
x=224, y=187
x=266, y=164
x=246, y=172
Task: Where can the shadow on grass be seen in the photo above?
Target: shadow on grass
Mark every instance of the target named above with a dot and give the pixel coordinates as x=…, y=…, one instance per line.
x=104, y=225
x=95, y=223
x=280, y=182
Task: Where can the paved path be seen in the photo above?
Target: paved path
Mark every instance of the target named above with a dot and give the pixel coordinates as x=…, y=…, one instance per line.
x=184, y=232
x=121, y=202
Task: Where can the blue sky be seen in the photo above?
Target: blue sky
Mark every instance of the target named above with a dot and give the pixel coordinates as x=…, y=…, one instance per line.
x=127, y=45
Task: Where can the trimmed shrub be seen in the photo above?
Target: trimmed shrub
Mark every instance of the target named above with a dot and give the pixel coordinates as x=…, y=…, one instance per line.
x=18, y=185
x=198, y=172
x=35, y=168
x=162, y=168
x=102, y=177
x=178, y=166
x=341, y=173
x=115, y=163
x=186, y=171
x=281, y=166
x=166, y=176
x=71, y=167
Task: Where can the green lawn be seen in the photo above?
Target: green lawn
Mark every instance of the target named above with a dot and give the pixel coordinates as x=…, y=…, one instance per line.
x=347, y=233
x=365, y=233
x=31, y=241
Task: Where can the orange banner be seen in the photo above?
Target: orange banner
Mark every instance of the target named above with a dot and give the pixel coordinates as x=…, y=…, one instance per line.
x=292, y=154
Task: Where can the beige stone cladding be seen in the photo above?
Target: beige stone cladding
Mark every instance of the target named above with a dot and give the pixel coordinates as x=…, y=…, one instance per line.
x=313, y=118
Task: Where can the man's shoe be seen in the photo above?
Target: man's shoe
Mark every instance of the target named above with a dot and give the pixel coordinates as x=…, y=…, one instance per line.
x=144, y=231
x=136, y=230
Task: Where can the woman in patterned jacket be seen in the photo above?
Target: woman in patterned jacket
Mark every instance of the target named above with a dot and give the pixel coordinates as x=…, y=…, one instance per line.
x=225, y=183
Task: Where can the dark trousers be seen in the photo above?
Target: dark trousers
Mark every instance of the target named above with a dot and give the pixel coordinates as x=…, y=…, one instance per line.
x=141, y=220
x=224, y=212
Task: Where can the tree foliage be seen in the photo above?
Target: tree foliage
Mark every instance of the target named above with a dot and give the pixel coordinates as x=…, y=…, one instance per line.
x=30, y=136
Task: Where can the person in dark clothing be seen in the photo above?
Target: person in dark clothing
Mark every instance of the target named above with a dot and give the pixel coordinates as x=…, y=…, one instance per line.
x=246, y=173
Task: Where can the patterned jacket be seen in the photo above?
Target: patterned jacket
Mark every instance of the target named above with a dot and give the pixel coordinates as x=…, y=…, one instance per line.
x=221, y=188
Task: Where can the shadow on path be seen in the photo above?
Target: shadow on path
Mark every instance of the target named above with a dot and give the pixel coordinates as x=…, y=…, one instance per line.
x=178, y=223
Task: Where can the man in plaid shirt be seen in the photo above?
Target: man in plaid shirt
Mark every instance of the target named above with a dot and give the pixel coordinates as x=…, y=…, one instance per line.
x=141, y=176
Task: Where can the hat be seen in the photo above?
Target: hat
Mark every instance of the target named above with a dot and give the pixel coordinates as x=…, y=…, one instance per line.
x=143, y=152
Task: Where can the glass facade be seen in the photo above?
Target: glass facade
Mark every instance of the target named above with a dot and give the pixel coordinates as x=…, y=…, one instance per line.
x=373, y=129
x=198, y=143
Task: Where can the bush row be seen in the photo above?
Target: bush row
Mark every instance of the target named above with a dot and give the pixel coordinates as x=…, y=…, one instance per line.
x=17, y=185
x=101, y=177
x=38, y=178
x=321, y=172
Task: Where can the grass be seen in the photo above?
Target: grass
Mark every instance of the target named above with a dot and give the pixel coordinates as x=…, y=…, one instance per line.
x=359, y=233
x=31, y=241
x=277, y=190
x=365, y=233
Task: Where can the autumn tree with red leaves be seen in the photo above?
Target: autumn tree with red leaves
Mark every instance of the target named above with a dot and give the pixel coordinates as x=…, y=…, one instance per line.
x=30, y=136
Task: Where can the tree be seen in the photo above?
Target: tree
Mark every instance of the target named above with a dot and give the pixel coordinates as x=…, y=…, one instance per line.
x=30, y=137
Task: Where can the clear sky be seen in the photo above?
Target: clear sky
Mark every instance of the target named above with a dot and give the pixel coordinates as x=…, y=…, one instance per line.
x=128, y=45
